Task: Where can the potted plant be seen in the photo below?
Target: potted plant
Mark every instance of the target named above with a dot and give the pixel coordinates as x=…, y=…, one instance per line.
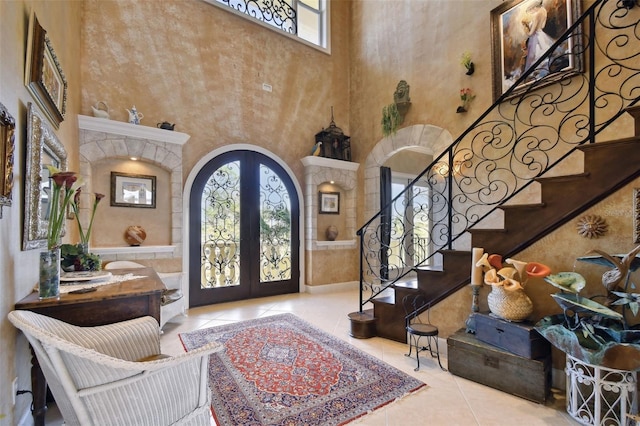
x=63, y=185
x=466, y=62
x=77, y=257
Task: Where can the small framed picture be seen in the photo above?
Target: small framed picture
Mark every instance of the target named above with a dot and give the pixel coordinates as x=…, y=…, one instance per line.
x=43, y=74
x=329, y=203
x=129, y=190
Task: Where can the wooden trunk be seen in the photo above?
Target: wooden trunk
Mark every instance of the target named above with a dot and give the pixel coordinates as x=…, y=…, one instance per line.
x=520, y=338
x=480, y=362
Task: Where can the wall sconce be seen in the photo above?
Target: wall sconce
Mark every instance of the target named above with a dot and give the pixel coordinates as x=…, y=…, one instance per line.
x=443, y=168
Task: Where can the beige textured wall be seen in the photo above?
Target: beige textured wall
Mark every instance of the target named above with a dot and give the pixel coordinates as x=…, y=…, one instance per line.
x=18, y=269
x=114, y=220
x=202, y=68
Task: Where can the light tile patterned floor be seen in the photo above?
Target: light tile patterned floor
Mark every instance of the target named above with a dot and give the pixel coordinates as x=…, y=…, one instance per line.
x=448, y=399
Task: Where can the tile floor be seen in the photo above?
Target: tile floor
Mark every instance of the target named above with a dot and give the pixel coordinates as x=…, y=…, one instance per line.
x=448, y=399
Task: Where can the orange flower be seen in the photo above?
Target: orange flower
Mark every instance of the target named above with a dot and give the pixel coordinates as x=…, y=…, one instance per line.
x=495, y=260
x=535, y=269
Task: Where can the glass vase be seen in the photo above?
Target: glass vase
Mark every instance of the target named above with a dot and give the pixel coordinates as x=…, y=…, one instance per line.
x=49, y=284
x=83, y=248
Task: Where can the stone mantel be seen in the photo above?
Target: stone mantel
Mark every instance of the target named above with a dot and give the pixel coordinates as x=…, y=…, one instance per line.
x=330, y=163
x=131, y=130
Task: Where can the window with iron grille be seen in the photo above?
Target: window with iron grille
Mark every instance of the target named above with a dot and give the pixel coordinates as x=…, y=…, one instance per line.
x=302, y=19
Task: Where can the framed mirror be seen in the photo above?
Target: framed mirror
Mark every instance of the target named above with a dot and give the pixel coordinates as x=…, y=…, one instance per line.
x=43, y=148
x=7, y=147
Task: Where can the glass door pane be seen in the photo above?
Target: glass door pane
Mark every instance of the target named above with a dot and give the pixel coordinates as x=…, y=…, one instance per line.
x=220, y=234
x=275, y=227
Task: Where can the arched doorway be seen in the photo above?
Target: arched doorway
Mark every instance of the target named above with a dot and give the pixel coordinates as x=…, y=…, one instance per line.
x=243, y=229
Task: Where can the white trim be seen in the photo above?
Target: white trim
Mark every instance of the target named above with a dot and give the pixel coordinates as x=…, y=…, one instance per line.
x=332, y=288
x=132, y=250
x=131, y=130
x=330, y=162
x=338, y=244
x=187, y=191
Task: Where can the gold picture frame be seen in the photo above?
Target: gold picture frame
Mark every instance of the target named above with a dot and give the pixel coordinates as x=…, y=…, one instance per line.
x=517, y=27
x=7, y=148
x=44, y=78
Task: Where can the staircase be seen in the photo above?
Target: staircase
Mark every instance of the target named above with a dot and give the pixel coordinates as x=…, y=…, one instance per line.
x=529, y=145
x=608, y=166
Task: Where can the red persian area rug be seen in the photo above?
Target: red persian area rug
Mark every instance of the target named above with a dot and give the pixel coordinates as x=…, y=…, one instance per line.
x=281, y=370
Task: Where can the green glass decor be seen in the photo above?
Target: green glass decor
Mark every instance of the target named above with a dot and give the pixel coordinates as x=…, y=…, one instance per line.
x=49, y=284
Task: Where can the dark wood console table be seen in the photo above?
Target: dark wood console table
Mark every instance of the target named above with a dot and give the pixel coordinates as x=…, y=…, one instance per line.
x=108, y=304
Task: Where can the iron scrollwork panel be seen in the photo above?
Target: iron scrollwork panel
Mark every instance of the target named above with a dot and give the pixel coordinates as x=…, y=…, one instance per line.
x=220, y=257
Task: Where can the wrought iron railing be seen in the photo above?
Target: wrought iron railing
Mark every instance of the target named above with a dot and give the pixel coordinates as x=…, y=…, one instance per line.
x=529, y=129
x=277, y=13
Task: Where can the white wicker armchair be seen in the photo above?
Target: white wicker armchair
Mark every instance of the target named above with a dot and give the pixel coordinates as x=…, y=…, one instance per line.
x=113, y=374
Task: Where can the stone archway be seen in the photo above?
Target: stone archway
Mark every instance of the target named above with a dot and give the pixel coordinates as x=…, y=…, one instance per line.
x=431, y=139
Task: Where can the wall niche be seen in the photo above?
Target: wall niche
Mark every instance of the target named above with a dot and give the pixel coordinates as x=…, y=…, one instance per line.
x=112, y=221
x=108, y=145
x=328, y=175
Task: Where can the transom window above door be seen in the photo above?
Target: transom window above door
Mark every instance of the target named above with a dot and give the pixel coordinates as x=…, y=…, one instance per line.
x=305, y=20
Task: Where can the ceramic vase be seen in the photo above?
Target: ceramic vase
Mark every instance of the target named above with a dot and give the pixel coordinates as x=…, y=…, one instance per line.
x=135, y=235
x=509, y=305
x=331, y=233
x=49, y=284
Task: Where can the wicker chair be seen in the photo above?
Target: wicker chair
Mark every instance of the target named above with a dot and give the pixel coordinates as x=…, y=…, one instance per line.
x=115, y=375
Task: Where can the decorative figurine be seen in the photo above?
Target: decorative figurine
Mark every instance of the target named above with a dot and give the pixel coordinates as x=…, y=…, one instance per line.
x=165, y=125
x=134, y=115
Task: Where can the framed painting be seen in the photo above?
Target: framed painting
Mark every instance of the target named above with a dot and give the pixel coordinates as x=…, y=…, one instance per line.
x=522, y=31
x=7, y=148
x=329, y=202
x=43, y=75
x=131, y=190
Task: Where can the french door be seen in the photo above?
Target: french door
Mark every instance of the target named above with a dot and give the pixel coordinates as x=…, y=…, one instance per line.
x=243, y=230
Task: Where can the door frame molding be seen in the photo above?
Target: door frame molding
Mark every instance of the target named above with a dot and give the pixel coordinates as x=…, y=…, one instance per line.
x=187, y=193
